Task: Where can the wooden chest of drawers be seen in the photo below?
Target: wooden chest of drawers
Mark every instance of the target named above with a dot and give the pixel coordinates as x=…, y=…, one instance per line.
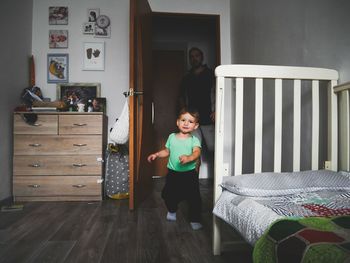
x=60, y=157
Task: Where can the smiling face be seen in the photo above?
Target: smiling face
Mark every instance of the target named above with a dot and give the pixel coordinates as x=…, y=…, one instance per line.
x=187, y=123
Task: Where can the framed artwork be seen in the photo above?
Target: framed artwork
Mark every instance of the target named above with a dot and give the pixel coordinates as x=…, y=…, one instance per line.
x=58, y=38
x=58, y=15
x=93, y=14
x=89, y=28
x=93, y=55
x=102, y=32
x=80, y=91
x=103, y=26
x=57, y=68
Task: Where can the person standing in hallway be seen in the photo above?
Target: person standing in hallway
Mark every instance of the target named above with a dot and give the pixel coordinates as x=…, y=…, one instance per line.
x=198, y=92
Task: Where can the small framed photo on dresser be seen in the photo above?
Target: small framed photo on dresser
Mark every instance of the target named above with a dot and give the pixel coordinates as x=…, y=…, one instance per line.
x=99, y=105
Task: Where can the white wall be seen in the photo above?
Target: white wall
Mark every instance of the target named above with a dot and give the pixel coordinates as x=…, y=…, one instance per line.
x=115, y=78
x=15, y=46
x=295, y=33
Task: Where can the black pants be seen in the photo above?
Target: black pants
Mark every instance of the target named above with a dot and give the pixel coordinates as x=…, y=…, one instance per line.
x=180, y=186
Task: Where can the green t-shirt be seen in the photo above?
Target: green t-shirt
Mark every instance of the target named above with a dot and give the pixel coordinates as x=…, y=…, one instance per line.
x=178, y=147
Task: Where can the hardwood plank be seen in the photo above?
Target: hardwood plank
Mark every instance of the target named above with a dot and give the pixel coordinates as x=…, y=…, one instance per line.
x=19, y=253
x=52, y=251
x=82, y=218
x=117, y=245
x=92, y=241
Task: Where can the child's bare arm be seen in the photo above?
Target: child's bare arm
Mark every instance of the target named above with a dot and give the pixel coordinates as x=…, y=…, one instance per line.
x=161, y=154
x=189, y=158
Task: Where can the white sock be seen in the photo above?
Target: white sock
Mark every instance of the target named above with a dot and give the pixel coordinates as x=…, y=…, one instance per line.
x=196, y=225
x=171, y=216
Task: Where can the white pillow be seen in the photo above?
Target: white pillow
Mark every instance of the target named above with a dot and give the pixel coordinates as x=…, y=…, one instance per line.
x=275, y=184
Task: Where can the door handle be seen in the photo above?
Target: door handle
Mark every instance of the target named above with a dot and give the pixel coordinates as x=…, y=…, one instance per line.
x=131, y=92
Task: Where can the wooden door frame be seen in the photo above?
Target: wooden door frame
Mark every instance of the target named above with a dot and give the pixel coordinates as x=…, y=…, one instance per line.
x=131, y=103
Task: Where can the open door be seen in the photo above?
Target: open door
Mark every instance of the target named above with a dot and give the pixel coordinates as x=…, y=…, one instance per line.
x=140, y=102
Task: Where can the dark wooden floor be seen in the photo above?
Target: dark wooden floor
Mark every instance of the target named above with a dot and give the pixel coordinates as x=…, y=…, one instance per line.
x=108, y=232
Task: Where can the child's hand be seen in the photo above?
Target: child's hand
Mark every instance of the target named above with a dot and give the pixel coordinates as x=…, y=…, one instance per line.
x=152, y=157
x=184, y=159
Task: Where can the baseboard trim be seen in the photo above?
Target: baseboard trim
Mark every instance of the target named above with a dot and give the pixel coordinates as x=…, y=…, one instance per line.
x=6, y=201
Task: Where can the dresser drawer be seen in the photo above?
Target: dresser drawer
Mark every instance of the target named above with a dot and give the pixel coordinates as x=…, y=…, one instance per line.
x=27, y=165
x=45, y=124
x=41, y=186
x=80, y=124
x=57, y=145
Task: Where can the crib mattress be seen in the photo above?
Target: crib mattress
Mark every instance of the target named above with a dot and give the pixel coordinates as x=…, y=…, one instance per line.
x=251, y=216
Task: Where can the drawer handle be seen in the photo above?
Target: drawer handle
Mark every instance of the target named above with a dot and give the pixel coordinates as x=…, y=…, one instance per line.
x=37, y=124
x=79, y=185
x=34, y=165
x=79, y=165
x=79, y=124
x=79, y=144
x=35, y=144
x=34, y=185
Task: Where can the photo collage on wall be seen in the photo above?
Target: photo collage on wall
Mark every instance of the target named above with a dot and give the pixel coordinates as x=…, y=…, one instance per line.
x=97, y=25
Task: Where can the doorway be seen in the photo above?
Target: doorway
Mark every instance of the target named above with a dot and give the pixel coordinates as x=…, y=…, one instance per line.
x=172, y=36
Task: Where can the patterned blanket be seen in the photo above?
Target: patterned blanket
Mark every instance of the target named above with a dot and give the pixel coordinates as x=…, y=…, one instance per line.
x=323, y=203
x=310, y=239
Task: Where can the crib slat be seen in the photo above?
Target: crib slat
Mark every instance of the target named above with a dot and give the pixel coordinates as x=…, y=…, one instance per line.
x=219, y=157
x=315, y=124
x=239, y=126
x=348, y=131
x=219, y=136
x=278, y=126
x=296, y=125
x=258, y=125
x=344, y=130
x=333, y=130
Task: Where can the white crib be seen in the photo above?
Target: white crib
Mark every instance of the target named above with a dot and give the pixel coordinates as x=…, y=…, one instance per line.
x=297, y=75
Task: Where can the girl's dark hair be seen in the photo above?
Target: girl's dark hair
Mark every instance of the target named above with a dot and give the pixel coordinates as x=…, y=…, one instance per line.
x=193, y=112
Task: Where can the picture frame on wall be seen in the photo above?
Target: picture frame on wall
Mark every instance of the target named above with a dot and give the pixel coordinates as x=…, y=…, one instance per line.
x=58, y=15
x=58, y=38
x=57, y=68
x=83, y=91
x=102, y=32
x=89, y=28
x=93, y=55
x=103, y=26
x=93, y=14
